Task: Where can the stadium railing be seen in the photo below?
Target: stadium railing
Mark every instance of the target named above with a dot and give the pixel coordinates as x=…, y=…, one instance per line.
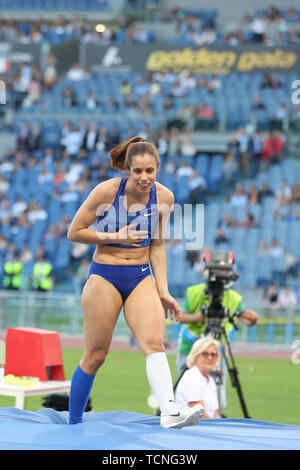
x=62, y=313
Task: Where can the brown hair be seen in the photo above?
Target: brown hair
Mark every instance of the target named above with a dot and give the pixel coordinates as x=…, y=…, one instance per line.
x=121, y=155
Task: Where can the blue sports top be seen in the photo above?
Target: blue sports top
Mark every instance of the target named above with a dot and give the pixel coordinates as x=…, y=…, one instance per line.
x=117, y=217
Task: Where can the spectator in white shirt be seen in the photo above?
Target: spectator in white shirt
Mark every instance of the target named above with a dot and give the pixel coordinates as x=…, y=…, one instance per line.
x=208, y=36
x=72, y=142
x=239, y=198
x=76, y=73
x=276, y=250
x=5, y=209
x=197, y=186
x=6, y=165
x=186, y=143
x=162, y=143
x=213, y=84
x=74, y=173
x=184, y=170
x=4, y=185
x=283, y=195
x=69, y=195
x=18, y=207
x=91, y=101
x=187, y=79
x=258, y=27
x=36, y=212
x=287, y=299
x=196, y=386
x=44, y=177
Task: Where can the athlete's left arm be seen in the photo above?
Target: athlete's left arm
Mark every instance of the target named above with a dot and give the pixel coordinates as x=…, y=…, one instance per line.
x=158, y=257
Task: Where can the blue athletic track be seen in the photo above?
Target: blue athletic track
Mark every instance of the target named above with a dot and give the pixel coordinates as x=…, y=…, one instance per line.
x=47, y=429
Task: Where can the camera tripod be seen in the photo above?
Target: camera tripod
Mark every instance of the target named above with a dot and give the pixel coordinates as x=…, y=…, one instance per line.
x=217, y=331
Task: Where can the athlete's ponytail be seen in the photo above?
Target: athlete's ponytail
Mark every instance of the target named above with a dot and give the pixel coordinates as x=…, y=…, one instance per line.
x=121, y=155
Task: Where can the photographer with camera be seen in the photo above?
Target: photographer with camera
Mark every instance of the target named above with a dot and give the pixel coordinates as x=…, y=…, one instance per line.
x=211, y=308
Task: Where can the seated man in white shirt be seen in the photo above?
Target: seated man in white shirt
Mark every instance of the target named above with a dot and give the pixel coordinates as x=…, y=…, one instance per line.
x=196, y=385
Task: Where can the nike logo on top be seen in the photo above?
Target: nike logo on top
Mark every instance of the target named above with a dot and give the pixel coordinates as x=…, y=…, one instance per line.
x=144, y=269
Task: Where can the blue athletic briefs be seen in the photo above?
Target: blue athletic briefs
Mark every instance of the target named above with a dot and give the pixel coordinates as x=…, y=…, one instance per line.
x=123, y=278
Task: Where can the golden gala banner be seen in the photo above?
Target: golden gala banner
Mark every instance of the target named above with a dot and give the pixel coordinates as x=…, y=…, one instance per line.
x=222, y=61
x=157, y=57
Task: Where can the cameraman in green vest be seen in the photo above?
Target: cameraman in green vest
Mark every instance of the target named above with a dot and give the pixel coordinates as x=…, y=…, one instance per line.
x=198, y=299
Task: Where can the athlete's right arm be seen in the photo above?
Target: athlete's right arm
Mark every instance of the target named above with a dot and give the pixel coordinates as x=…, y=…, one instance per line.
x=93, y=206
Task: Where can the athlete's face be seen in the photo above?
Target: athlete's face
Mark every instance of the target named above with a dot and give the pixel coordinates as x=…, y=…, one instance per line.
x=143, y=172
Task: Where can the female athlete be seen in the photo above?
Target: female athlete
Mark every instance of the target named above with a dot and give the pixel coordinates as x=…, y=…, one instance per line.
x=131, y=214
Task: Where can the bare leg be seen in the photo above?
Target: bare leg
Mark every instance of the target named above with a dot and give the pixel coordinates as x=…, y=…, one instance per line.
x=101, y=304
x=144, y=314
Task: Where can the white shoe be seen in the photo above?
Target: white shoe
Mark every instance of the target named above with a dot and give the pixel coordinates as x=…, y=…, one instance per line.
x=178, y=417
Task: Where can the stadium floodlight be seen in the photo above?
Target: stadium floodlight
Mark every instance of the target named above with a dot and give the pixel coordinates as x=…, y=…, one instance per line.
x=100, y=28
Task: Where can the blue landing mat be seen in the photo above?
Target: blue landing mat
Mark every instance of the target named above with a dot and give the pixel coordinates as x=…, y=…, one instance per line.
x=47, y=429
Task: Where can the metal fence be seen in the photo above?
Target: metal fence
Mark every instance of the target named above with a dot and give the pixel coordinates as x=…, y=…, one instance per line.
x=63, y=313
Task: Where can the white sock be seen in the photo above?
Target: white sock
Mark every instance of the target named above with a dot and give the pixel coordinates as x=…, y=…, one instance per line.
x=160, y=379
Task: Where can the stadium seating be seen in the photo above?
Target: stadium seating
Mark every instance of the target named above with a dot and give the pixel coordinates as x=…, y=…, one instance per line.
x=234, y=101
x=245, y=241
x=86, y=5
x=232, y=105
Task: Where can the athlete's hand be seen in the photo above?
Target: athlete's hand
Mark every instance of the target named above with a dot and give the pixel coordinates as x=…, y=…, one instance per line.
x=171, y=306
x=128, y=235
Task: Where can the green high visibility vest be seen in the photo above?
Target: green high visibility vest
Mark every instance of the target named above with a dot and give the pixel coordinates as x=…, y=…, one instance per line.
x=41, y=276
x=12, y=278
x=195, y=299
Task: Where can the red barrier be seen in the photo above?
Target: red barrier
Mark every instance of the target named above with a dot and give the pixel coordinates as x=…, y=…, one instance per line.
x=33, y=352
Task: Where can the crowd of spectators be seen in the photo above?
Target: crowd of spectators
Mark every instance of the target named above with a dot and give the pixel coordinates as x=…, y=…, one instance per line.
x=65, y=170
x=243, y=209
x=29, y=86
x=285, y=208
x=270, y=27
x=276, y=300
x=60, y=30
x=29, y=83
x=250, y=152
x=78, y=163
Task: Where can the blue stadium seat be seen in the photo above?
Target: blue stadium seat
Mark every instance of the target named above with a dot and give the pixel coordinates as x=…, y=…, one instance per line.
x=168, y=180
x=202, y=164
x=70, y=208
x=55, y=211
x=282, y=231
x=264, y=271
x=5, y=231
x=215, y=173
x=182, y=191
x=62, y=255
x=20, y=238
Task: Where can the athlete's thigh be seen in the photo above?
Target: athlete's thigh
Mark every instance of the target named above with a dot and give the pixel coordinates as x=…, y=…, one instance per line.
x=101, y=305
x=144, y=314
